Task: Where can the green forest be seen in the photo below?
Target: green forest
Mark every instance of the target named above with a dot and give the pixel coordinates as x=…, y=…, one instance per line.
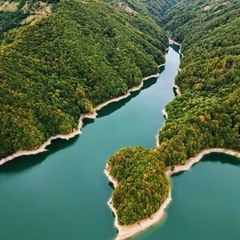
x=60, y=59
x=143, y=186
x=73, y=56
x=205, y=115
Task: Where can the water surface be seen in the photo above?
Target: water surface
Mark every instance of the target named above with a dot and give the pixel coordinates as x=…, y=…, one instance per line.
x=62, y=194
x=205, y=203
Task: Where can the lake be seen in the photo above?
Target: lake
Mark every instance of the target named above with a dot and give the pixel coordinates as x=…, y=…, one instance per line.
x=205, y=202
x=63, y=193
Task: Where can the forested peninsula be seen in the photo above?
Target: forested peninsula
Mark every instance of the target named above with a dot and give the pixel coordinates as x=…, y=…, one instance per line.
x=204, y=118
x=60, y=59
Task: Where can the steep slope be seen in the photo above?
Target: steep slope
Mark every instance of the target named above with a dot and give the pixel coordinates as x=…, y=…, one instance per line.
x=72, y=59
x=154, y=8
x=205, y=115
x=17, y=13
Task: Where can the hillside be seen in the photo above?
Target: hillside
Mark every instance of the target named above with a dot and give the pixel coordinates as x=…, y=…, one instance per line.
x=155, y=8
x=205, y=115
x=59, y=60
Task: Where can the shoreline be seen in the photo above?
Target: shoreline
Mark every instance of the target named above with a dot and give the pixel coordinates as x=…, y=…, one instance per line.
x=171, y=41
x=165, y=114
x=77, y=131
x=125, y=232
x=178, y=91
x=164, y=111
x=128, y=231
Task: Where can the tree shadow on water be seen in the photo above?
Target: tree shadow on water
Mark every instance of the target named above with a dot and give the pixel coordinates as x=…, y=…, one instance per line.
x=25, y=162
x=223, y=158
x=175, y=91
x=114, y=106
x=175, y=47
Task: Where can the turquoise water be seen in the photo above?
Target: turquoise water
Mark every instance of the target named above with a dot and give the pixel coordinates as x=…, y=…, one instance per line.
x=205, y=203
x=63, y=193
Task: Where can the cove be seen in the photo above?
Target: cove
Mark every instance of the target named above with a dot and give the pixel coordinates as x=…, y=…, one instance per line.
x=63, y=193
x=205, y=202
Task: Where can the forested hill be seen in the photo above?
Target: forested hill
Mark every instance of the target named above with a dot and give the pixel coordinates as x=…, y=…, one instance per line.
x=155, y=8
x=205, y=115
x=60, y=59
x=16, y=13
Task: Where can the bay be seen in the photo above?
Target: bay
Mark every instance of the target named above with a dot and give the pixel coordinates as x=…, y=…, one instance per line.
x=205, y=202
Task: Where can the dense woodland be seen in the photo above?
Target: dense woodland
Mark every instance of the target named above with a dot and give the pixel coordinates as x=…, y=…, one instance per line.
x=143, y=186
x=59, y=59
x=72, y=57
x=155, y=8
x=206, y=114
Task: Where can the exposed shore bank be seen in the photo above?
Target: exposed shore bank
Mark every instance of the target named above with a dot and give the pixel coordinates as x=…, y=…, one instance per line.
x=125, y=232
x=165, y=115
x=171, y=41
x=77, y=131
x=177, y=89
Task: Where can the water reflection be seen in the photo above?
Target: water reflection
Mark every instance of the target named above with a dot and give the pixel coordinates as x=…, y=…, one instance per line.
x=175, y=91
x=114, y=106
x=175, y=47
x=25, y=162
x=204, y=197
x=222, y=158
x=216, y=157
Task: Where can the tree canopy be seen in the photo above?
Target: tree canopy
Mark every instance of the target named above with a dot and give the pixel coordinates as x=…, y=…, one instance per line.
x=76, y=56
x=205, y=115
